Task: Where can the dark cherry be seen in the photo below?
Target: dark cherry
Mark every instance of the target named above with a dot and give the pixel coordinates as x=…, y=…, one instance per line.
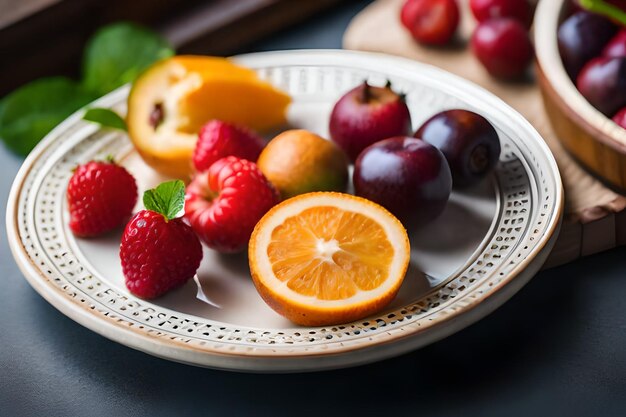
x=620, y=118
x=617, y=45
x=581, y=37
x=409, y=177
x=503, y=47
x=432, y=22
x=603, y=83
x=519, y=10
x=468, y=141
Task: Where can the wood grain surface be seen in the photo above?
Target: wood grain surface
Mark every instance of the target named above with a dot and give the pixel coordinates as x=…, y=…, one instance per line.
x=595, y=216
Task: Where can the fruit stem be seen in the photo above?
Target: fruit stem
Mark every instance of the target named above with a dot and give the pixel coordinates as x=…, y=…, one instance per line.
x=479, y=159
x=366, y=95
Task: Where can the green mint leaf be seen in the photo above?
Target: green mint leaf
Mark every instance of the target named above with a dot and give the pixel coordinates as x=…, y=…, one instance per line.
x=118, y=53
x=168, y=199
x=105, y=118
x=606, y=8
x=30, y=112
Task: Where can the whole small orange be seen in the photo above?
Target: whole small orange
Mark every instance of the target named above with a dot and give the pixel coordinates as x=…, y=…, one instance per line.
x=298, y=161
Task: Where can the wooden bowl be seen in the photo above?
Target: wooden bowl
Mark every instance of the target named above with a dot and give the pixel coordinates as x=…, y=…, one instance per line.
x=591, y=137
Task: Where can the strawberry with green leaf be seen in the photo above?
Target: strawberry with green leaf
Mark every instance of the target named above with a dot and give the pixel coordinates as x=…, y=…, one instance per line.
x=159, y=252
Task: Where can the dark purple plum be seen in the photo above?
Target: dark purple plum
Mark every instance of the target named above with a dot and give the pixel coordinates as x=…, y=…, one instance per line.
x=582, y=37
x=409, y=177
x=468, y=141
x=603, y=83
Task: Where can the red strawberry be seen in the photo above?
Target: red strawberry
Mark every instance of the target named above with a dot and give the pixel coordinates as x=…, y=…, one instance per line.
x=159, y=251
x=218, y=139
x=225, y=203
x=101, y=196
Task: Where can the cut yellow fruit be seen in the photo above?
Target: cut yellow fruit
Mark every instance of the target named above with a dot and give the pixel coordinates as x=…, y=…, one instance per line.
x=327, y=258
x=169, y=103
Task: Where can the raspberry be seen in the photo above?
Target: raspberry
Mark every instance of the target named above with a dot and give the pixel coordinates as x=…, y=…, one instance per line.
x=225, y=203
x=218, y=139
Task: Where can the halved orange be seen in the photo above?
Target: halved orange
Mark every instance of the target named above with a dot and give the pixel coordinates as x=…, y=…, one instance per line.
x=169, y=103
x=327, y=258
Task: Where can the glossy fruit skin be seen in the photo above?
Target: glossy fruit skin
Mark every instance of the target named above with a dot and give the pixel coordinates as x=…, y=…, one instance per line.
x=603, y=83
x=468, y=141
x=367, y=114
x=218, y=139
x=620, y=118
x=100, y=196
x=224, y=203
x=519, y=10
x=503, y=47
x=431, y=22
x=617, y=45
x=407, y=176
x=298, y=161
x=158, y=255
x=582, y=37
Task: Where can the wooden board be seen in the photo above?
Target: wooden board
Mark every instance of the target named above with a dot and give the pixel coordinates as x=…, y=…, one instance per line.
x=595, y=216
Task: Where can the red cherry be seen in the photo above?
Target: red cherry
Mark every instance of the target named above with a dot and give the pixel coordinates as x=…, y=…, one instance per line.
x=617, y=45
x=503, y=47
x=432, y=22
x=620, y=118
x=490, y=9
x=602, y=81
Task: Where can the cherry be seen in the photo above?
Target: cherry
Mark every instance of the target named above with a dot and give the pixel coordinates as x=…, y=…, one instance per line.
x=616, y=46
x=431, y=22
x=490, y=9
x=620, y=117
x=503, y=47
x=603, y=83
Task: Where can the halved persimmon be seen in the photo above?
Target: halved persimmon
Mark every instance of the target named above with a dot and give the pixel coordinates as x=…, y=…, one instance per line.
x=327, y=258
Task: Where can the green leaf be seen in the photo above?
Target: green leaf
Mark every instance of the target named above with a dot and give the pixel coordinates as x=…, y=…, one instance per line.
x=118, y=53
x=606, y=9
x=168, y=199
x=31, y=111
x=105, y=118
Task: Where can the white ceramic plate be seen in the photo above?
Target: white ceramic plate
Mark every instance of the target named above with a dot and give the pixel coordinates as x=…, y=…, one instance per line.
x=488, y=243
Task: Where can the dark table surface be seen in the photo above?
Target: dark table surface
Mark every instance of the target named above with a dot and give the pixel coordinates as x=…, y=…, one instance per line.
x=557, y=348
